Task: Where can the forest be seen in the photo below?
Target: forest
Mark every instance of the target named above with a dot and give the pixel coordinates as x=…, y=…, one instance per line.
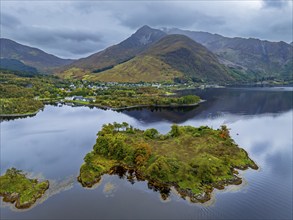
x=23, y=94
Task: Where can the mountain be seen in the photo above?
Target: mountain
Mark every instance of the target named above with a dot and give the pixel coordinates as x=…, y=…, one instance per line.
x=122, y=52
x=172, y=57
x=252, y=56
x=12, y=64
x=30, y=56
x=148, y=55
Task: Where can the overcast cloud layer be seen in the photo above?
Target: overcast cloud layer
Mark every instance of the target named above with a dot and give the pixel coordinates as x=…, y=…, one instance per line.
x=73, y=29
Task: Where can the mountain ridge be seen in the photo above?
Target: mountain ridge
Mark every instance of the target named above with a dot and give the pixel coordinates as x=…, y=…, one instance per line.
x=242, y=58
x=249, y=55
x=120, y=52
x=173, y=57
x=30, y=56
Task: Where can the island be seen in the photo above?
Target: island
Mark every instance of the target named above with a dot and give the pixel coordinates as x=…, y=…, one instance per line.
x=192, y=160
x=16, y=188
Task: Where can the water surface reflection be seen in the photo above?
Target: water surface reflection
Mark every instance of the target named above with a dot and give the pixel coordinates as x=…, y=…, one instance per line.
x=55, y=141
x=247, y=101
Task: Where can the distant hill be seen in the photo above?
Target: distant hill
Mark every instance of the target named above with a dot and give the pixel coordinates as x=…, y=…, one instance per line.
x=30, y=56
x=114, y=55
x=172, y=57
x=252, y=56
x=12, y=64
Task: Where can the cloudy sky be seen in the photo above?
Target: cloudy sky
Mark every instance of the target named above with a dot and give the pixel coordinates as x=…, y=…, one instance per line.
x=74, y=29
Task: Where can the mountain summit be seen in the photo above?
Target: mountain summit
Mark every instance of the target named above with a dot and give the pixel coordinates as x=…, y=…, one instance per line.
x=143, y=37
x=174, y=57
x=122, y=52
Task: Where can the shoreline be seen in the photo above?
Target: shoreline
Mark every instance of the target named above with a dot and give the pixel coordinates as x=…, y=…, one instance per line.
x=19, y=115
x=138, y=106
x=14, y=199
x=192, y=177
x=3, y=116
x=131, y=172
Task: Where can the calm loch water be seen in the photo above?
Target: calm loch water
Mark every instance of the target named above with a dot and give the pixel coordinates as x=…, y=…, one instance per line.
x=53, y=144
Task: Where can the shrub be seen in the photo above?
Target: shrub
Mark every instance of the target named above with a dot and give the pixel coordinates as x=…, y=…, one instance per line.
x=151, y=133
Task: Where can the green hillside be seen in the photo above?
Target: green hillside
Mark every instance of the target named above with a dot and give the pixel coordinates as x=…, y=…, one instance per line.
x=256, y=57
x=117, y=54
x=142, y=68
x=175, y=55
x=12, y=64
x=172, y=57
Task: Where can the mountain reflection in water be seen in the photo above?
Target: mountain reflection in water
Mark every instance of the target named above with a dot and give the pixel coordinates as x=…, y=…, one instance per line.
x=221, y=101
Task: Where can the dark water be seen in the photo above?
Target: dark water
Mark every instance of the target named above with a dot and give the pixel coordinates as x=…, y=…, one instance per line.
x=54, y=142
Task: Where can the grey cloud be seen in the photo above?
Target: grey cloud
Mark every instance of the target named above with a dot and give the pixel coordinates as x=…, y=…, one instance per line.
x=79, y=36
x=283, y=29
x=85, y=7
x=158, y=14
x=275, y=3
x=135, y=14
x=9, y=21
x=64, y=42
x=77, y=28
x=75, y=50
x=274, y=30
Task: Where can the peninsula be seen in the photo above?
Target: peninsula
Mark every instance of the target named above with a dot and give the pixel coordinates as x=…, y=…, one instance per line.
x=24, y=96
x=193, y=160
x=16, y=187
x=120, y=98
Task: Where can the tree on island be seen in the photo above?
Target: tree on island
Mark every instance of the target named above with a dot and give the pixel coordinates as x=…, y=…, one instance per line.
x=175, y=131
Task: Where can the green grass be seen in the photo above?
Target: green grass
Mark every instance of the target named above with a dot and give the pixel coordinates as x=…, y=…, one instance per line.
x=146, y=69
x=16, y=187
x=189, y=158
x=73, y=73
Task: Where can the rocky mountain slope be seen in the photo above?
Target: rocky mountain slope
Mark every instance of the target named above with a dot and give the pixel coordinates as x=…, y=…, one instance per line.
x=114, y=55
x=164, y=55
x=255, y=57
